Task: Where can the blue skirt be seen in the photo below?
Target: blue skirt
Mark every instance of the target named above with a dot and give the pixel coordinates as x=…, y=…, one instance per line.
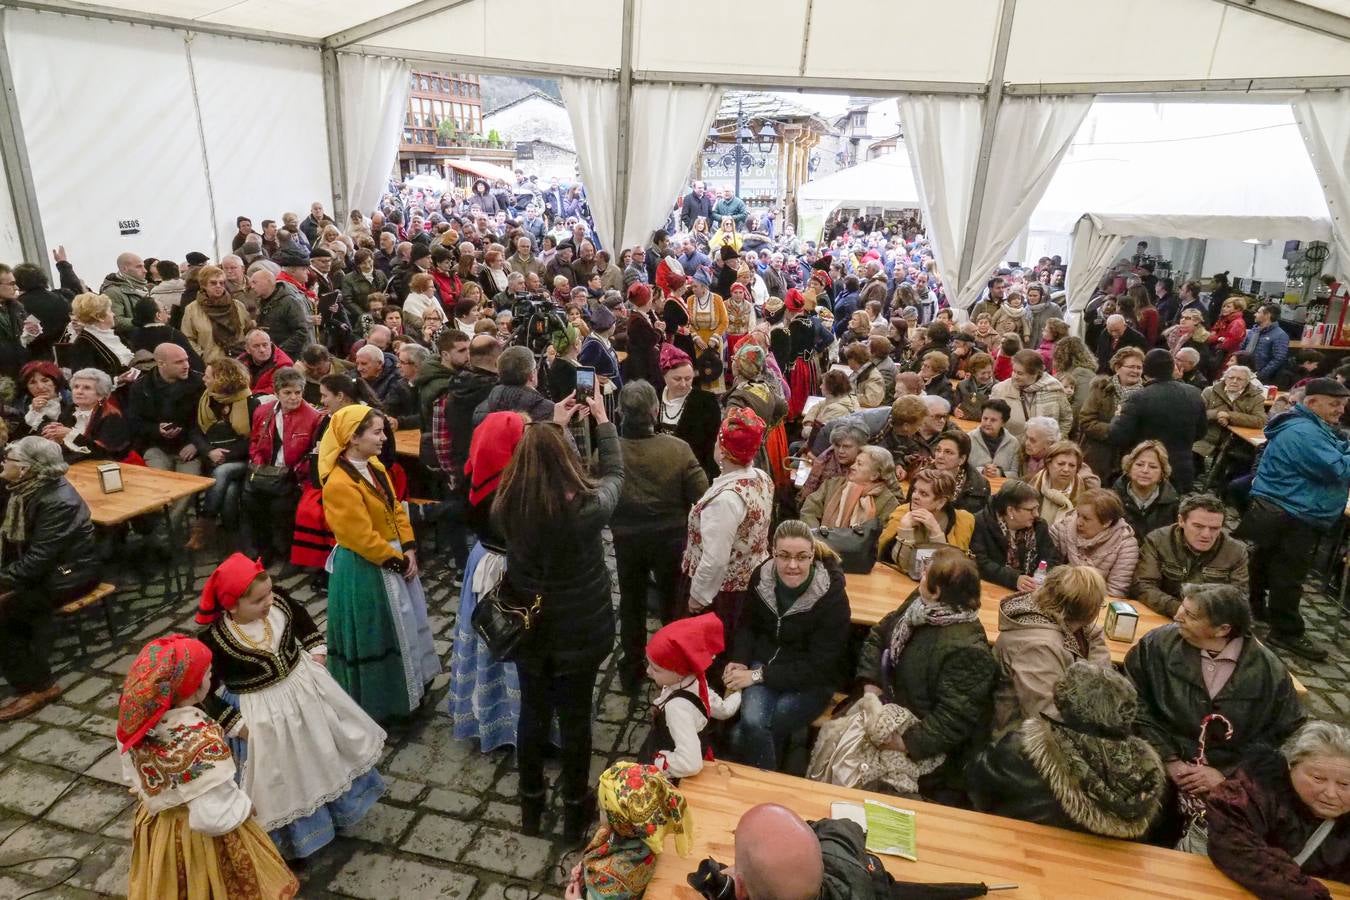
x=484, y=700
x=303, y=837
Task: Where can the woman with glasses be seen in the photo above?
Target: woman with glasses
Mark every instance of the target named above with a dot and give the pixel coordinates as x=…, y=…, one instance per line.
x=927, y=521
x=1105, y=395
x=791, y=649
x=1010, y=541
x=47, y=544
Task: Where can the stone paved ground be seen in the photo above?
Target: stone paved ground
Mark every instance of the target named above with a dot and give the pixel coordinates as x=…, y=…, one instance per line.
x=446, y=829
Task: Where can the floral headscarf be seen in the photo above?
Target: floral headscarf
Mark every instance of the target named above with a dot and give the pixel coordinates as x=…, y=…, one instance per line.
x=640, y=802
x=167, y=670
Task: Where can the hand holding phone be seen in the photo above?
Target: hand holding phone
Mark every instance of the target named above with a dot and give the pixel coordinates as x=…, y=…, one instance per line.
x=585, y=383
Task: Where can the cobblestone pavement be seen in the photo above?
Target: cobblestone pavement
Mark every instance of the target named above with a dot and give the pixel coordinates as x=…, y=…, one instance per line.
x=446, y=829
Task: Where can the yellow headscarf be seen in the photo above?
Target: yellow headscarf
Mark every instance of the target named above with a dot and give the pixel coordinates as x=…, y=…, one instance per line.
x=342, y=426
x=639, y=801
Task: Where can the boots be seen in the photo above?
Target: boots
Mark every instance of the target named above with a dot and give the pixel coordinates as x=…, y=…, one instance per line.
x=531, y=812
x=577, y=817
x=201, y=534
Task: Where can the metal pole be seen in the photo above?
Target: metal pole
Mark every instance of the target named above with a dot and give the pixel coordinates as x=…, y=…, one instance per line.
x=337, y=140
x=18, y=173
x=624, y=140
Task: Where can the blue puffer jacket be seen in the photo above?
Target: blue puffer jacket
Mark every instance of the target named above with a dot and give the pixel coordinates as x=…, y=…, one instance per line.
x=1270, y=346
x=1305, y=469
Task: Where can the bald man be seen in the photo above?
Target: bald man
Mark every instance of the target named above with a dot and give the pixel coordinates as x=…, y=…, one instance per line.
x=1115, y=335
x=161, y=413
x=777, y=856
x=125, y=288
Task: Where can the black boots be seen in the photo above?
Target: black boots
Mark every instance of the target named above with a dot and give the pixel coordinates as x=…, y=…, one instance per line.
x=577, y=817
x=531, y=812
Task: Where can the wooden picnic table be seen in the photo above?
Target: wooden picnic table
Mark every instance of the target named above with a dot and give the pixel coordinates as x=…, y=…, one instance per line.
x=145, y=490
x=407, y=442
x=1256, y=437
x=954, y=845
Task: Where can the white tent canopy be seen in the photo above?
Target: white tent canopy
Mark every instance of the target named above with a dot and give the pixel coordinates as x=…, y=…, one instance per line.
x=186, y=140
x=887, y=182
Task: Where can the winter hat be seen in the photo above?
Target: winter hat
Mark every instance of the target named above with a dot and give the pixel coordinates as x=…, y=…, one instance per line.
x=197, y=258
x=728, y=253
x=701, y=276
x=1158, y=365
x=320, y=253
x=741, y=434
x=419, y=251
x=639, y=294
x=1323, y=387
x=226, y=585
x=673, y=357
x=795, y=301
x=291, y=256
x=1096, y=701
x=773, y=306
x=599, y=318
x=687, y=647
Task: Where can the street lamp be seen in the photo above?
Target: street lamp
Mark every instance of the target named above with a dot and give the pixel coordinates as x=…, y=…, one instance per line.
x=763, y=140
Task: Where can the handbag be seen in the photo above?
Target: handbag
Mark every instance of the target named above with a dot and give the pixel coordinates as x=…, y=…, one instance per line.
x=270, y=481
x=502, y=618
x=856, y=545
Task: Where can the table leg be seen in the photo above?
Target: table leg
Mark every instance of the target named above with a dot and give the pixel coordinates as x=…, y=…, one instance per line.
x=1340, y=599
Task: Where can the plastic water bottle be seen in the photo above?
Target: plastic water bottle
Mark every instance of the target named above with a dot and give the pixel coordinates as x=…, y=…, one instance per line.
x=1039, y=577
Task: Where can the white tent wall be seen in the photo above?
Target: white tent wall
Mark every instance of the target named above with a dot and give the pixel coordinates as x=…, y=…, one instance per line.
x=11, y=249
x=374, y=98
x=593, y=107
x=113, y=136
x=262, y=163
x=1324, y=121
x=1235, y=257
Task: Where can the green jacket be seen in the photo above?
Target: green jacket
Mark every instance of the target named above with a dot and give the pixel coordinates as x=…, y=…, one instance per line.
x=1166, y=562
x=432, y=380
x=125, y=293
x=735, y=207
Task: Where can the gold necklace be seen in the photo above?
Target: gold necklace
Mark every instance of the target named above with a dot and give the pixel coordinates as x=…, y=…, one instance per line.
x=265, y=645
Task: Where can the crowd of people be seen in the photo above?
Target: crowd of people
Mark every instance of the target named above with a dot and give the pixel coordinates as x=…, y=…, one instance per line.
x=749, y=416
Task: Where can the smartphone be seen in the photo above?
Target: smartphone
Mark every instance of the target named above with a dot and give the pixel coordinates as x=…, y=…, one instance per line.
x=585, y=382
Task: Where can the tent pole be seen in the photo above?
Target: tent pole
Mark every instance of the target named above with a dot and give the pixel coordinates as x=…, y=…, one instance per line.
x=337, y=135
x=388, y=22
x=19, y=174
x=1300, y=15
x=789, y=83
x=992, y=101
x=625, y=138
x=1220, y=90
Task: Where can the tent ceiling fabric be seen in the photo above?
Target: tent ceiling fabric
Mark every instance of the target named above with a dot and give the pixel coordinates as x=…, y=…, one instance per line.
x=1150, y=39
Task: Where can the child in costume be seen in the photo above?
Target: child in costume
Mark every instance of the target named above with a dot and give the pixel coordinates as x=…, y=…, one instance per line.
x=195, y=837
x=638, y=808
x=678, y=657
x=310, y=756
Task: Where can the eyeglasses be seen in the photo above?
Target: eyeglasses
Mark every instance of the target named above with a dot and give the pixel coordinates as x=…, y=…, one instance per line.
x=1032, y=510
x=802, y=558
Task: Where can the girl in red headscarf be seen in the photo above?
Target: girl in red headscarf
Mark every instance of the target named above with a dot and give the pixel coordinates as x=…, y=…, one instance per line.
x=678, y=657
x=309, y=750
x=195, y=836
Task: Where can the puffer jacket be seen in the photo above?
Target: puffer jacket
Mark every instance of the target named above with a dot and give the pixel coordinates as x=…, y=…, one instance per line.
x=1166, y=562
x=662, y=481
x=1043, y=397
x=1004, y=455
x=514, y=398
x=945, y=676
x=1257, y=825
x=1305, y=467
x=806, y=646
x=1247, y=410
x=575, y=628
x=1038, y=773
x=1032, y=655
x=59, y=554
x=1114, y=552
x=1259, y=699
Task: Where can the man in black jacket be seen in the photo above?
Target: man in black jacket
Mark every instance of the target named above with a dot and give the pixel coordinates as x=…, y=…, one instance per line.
x=697, y=202
x=50, y=307
x=1115, y=335
x=50, y=560
x=1165, y=410
x=517, y=388
x=162, y=411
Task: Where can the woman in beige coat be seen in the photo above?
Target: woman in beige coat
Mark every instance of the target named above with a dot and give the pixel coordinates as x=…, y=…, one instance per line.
x=1041, y=634
x=1063, y=481
x=214, y=323
x=1233, y=400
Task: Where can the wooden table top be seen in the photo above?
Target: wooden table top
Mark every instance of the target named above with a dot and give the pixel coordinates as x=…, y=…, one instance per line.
x=407, y=442
x=1335, y=348
x=954, y=845
x=881, y=591
x=145, y=490
x=1256, y=437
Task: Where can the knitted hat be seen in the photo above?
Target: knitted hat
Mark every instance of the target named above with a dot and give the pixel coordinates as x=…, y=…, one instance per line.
x=795, y=301
x=639, y=294
x=741, y=434
x=1096, y=700
x=226, y=585
x=419, y=251
x=673, y=357
x=687, y=647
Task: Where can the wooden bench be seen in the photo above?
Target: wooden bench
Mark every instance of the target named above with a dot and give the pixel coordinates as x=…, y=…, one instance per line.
x=95, y=597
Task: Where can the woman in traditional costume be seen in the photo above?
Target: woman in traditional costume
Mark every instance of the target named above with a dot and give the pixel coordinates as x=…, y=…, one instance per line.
x=379, y=642
x=309, y=751
x=195, y=837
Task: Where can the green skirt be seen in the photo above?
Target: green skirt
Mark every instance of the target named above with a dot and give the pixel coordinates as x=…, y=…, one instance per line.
x=379, y=642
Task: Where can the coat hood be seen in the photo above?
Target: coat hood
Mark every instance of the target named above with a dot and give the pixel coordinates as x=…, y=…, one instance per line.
x=820, y=584
x=1019, y=612
x=1046, y=384
x=467, y=383
x=1299, y=415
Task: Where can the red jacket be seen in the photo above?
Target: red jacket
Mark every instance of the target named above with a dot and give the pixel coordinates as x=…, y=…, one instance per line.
x=298, y=429
x=260, y=376
x=1229, y=333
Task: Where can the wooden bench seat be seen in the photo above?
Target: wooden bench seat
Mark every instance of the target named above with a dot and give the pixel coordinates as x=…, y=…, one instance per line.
x=95, y=597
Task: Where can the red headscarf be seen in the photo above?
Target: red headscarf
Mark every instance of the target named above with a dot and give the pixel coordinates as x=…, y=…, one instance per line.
x=687, y=647
x=673, y=357
x=494, y=441
x=226, y=585
x=639, y=294
x=795, y=301
x=167, y=670
x=741, y=434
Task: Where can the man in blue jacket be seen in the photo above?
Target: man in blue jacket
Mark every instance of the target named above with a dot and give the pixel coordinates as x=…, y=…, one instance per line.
x=1268, y=342
x=1298, y=496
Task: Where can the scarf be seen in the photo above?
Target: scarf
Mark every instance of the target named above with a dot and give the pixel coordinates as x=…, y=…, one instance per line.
x=108, y=338
x=1015, y=312
x=342, y=426
x=237, y=403
x=226, y=585
x=916, y=614
x=640, y=802
x=1123, y=392
x=167, y=670
x=1023, y=608
x=227, y=325
x=852, y=505
x=494, y=442
x=14, y=529
x=1021, y=547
